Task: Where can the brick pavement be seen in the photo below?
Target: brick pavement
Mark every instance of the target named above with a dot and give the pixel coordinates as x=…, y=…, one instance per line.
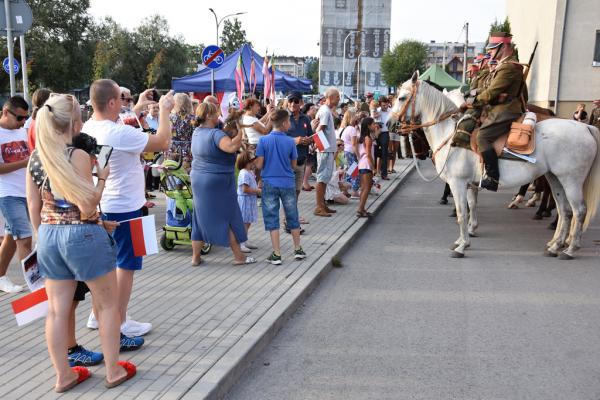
x=199, y=313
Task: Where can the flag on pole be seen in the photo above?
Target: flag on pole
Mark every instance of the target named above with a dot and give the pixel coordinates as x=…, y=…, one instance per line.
x=239, y=79
x=30, y=307
x=252, y=79
x=320, y=140
x=272, y=71
x=353, y=170
x=143, y=235
x=266, y=77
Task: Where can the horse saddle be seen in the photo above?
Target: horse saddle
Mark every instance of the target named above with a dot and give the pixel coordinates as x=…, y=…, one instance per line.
x=519, y=139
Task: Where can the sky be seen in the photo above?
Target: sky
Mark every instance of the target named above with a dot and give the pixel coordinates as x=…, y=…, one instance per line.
x=287, y=27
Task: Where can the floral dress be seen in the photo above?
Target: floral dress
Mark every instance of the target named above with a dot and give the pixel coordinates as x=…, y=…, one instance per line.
x=182, y=136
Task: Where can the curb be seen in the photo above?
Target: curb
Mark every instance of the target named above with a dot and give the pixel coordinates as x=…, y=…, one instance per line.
x=217, y=382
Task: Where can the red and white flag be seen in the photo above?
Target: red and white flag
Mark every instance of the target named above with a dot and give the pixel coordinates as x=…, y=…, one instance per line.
x=320, y=140
x=31, y=307
x=353, y=170
x=266, y=77
x=143, y=235
x=239, y=79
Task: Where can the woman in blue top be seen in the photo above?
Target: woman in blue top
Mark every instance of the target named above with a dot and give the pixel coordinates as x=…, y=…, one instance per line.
x=217, y=218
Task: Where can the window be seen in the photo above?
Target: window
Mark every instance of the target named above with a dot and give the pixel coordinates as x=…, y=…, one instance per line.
x=596, y=61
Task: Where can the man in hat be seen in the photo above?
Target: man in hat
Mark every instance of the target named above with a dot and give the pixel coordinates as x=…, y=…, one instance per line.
x=501, y=101
x=595, y=115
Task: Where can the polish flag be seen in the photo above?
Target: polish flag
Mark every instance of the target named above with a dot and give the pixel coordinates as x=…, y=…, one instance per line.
x=143, y=236
x=31, y=307
x=320, y=140
x=353, y=170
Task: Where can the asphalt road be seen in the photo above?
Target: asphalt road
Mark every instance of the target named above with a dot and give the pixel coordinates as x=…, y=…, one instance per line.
x=402, y=320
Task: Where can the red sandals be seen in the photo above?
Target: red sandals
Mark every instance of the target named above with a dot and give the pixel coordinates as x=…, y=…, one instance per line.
x=131, y=370
x=82, y=375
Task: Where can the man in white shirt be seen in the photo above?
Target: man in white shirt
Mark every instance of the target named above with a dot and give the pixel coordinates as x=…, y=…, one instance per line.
x=152, y=118
x=384, y=139
x=326, y=157
x=14, y=156
x=123, y=196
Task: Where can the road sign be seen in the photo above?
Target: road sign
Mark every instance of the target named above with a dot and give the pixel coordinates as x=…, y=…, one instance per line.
x=213, y=57
x=6, y=63
x=21, y=17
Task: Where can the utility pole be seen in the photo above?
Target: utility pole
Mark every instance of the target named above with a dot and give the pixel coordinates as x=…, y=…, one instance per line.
x=9, y=45
x=444, y=55
x=464, y=78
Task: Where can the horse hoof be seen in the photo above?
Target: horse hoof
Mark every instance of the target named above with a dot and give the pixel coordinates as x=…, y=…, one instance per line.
x=453, y=246
x=564, y=256
x=456, y=254
x=549, y=253
x=472, y=234
x=537, y=217
x=453, y=215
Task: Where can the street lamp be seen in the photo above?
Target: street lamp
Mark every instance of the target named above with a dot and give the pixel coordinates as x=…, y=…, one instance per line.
x=218, y=23
x=362, y=53
x=344, y=60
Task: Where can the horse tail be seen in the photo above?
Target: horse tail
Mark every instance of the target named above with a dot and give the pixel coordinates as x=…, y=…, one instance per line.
x=591, y=187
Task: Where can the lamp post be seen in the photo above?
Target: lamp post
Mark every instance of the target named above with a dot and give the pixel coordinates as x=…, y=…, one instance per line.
x=218, y=23
x=362, y=53
x=344, y=60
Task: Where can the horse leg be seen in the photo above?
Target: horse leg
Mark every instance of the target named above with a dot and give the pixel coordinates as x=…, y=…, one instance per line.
x=564, y=216
x=472, y=202
x=574, y=194
x=459, y=192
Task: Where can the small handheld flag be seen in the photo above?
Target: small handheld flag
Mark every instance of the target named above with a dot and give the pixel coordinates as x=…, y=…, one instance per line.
x=30, y=307
x=143, y=236
x=353, y=170
x=320, y=140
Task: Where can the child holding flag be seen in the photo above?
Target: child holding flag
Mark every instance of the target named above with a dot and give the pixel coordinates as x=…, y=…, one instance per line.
x=368, y=129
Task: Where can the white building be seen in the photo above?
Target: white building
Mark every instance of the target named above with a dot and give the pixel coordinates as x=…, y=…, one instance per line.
x=566, y=69
x=294, y=66
x=442, y=52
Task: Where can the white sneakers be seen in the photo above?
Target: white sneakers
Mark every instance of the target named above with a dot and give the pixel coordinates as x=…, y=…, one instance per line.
x=129, y=328
x=245, y=248
x=6, y=285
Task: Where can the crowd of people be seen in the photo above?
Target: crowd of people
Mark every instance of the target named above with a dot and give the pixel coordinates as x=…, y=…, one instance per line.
x=53, y=192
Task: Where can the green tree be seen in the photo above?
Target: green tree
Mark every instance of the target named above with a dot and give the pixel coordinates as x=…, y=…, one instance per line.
x=399, y=64
x=312, y=73
x=233, y=36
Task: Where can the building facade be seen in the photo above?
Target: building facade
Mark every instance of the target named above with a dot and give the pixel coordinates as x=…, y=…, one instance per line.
x=442, y=53
x=354, y=36
x=295, y=66
x=566, y=68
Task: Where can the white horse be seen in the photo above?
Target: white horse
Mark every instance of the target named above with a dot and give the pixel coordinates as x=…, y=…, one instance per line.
x=567, y=153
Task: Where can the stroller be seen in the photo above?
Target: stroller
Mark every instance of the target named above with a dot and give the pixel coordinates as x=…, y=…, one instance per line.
x=176, y=185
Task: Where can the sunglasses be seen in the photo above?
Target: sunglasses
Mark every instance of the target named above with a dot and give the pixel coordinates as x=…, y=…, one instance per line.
x=295, y=101
x=127, y=99
x=17, y=116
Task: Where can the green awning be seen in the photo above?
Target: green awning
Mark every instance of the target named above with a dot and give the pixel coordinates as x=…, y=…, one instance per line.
x=436, y=74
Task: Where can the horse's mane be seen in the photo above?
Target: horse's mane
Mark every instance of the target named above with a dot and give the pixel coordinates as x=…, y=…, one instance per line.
x=434, y=100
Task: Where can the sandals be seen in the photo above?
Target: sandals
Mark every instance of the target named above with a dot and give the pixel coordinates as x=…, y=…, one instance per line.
x=248, y=260
x=363, y=214
x=129, y=368
x=82, y=375
x=195, y=264
x=310, y=188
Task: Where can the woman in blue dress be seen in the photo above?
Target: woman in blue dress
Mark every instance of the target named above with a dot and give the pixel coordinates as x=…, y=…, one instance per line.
x=217, y=218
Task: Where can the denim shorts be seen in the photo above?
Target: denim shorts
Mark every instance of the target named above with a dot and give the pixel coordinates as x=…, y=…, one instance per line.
x=122, y=235
x=365, y=171
x=14, y=210
x=271, y=196
x=75, y=252
x=325, y=167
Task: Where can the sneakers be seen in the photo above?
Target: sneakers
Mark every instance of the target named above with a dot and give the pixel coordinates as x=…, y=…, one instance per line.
x=128, y=328
x=80, y=356
x=299, y=254
x=251, y=246
x=274, y=259
x=245, y=249
x=7, y=286
x=133, y=328
x=130, y=343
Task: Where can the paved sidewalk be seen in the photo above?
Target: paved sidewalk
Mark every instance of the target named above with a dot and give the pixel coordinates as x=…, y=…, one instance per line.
x=209, y=321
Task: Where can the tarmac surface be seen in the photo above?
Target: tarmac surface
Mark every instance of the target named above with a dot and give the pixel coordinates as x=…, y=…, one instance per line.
x=403, y=320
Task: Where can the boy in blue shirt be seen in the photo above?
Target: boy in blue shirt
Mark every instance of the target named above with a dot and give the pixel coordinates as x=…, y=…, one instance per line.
x=276, y=157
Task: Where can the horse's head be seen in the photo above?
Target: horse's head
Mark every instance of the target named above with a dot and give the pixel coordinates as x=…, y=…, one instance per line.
x=404, y=105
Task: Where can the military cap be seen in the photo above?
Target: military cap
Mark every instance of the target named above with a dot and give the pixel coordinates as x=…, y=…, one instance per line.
x=498, y=38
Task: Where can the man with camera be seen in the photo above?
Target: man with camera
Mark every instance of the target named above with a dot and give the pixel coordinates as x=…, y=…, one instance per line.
x=123, y=196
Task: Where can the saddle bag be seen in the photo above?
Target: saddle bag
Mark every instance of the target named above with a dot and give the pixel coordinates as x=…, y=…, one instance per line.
x=521, y=134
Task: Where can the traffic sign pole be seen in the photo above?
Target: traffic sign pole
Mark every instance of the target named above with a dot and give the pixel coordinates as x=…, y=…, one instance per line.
x=9, y=45
x=24, y=68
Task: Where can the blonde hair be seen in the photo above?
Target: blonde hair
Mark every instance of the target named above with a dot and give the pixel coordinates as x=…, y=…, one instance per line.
x=204, y=111
x=349, y=117
x=53, y=125
x=183, y=104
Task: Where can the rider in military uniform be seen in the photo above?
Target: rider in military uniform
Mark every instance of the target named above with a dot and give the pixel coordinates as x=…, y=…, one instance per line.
x=500, y=102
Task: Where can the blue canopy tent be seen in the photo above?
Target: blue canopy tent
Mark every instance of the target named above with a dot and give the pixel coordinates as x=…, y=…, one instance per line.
x=225, y=78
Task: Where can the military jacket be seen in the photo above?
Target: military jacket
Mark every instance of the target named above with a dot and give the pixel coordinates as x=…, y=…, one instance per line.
x=595, y=117
x=506, y=78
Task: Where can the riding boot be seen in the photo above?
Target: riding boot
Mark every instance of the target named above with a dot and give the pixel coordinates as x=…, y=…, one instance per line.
x=490, y=182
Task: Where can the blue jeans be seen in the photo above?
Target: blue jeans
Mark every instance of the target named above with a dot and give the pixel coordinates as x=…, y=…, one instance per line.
x=350, y=159
x=271, y=196
x=14, y=210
